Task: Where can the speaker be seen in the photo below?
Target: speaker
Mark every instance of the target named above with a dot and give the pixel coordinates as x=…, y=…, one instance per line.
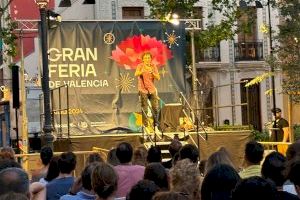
x=15, y=86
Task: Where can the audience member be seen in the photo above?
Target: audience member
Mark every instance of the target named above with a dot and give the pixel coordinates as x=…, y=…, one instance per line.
x=7, y=163
x=217, y=158
x=45, y=155
x=94, y=157
x=104, y=181
x=185, y=178
x=144, y=189
x=294, y=175
x=154, y=154
x=53, y=171
x=254, y=188
x=112, y=157
x=219, y=182
x=293, y=150
x=14, y=180
x=254, y=153
x=170, y=196
x=62, y=184
x=140, y=156
x=189, y=151
x=128, y=174
x=86, y=192
x=292, y=154
x=157, y=173
x=7, y=152
x=273, y=168
x=174, y=147
x=13, y=196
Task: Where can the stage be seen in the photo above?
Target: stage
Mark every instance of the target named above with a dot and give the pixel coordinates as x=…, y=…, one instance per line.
x=233, y=141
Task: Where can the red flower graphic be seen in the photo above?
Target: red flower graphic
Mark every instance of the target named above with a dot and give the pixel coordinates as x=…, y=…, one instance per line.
x=128, y=53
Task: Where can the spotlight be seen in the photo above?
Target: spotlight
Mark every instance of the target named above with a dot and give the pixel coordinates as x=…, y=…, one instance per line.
x=53, y=19
x=65, y=3
x=89, y=2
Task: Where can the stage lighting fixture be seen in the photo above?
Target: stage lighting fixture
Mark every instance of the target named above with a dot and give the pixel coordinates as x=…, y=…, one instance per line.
x=65, y=3
x=53, y=16
x=89, y=2
x=53, y=19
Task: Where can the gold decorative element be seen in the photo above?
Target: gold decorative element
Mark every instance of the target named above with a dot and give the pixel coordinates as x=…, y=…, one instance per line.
x=172, y=39
x=42, y=3
x=125, y=82
x=264, y=28
x=109, y=38
x=163, y=72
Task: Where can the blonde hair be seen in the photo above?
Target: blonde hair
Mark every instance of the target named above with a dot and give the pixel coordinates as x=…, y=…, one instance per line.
x=185, y=178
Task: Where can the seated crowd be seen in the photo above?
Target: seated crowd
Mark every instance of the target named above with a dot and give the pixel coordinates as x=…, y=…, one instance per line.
x=138, y=174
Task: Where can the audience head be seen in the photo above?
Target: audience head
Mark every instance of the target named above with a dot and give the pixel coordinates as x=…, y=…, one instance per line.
x=154, y=154
x=14, y=180
x=8, y=151
x=294, y=175
x=140, y=156
x=219, y=182
x=174, y=147
x=104, y=180
x=46, y=154
x=274, y=167
x=218, y=157
x=293, y=150
x=144, y=189
x=170, y=196
x=67, y=162
x=112, y=157
x=254, y=152
x=254, y=188
x=13, y=196
x=189, y=151
x=94, y=157
x=7, y=163
x=53, y=170
x=86, y=176
x=124, y=152
x=157, y=173
x=185, y=178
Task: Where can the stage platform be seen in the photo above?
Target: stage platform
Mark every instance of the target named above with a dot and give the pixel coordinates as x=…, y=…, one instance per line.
x=233, y=141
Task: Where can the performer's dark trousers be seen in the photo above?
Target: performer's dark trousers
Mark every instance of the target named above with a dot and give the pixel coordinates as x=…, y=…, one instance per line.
x=154, y=104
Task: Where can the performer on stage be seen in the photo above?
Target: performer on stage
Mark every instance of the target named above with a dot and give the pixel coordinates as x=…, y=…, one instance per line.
x=146, y=73
x=281, y=134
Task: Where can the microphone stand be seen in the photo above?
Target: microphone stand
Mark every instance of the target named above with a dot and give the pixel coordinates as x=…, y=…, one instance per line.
x=206, y=136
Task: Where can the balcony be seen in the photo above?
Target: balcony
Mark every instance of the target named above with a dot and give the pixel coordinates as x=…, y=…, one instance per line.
x=211, y=54
x=248, y=51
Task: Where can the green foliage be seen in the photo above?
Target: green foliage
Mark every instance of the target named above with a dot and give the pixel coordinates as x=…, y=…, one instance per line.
x=232, y=127
x=289, y=49
x=7, y=33
x=161, y=8
x=296, y=128
x=260, y=136
x=259, y=79
x=212, y=34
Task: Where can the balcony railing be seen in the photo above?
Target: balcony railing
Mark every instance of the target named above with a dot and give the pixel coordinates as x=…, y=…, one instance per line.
x=246, y=51
x=211, y=54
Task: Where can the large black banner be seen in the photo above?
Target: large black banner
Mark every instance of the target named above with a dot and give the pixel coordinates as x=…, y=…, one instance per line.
x=97, y=60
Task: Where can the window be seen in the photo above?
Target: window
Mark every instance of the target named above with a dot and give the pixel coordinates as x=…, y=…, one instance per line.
x=133, y=12
x=198, y=14
x=248, y=25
